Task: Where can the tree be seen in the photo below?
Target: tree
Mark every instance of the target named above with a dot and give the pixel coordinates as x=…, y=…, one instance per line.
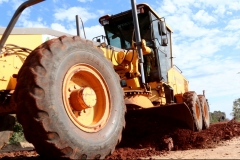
x=218, y=116
x=236, y=109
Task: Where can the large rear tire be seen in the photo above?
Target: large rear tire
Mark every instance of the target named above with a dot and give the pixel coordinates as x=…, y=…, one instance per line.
x=191, y=99
x=205, y=111
x=6, y=129
x=70, y=102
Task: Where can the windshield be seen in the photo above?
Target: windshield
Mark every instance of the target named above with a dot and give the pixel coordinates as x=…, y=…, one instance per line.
x=120, y=30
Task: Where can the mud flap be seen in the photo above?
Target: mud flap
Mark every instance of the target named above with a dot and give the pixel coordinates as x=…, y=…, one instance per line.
x=178, y=111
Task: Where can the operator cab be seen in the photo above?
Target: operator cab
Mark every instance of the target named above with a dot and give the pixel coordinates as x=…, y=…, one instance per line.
x=119, y=30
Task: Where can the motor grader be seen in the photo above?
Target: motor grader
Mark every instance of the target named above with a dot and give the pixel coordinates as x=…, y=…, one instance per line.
x=71, y=94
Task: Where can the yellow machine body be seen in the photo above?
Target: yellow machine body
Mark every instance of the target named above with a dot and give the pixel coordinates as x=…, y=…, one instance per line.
x=178, y=82
x=17, y=48
x=11, y=62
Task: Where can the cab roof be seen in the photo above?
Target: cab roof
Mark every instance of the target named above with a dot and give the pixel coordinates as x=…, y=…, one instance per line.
x=141, y=5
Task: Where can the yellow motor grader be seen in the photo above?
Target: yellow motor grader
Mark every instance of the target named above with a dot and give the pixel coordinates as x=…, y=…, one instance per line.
x=71, y=94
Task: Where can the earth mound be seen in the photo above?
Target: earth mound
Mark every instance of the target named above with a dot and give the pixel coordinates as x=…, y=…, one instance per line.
x=147, y=135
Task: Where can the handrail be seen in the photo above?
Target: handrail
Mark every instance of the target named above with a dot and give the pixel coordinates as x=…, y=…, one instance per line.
x=178, y=68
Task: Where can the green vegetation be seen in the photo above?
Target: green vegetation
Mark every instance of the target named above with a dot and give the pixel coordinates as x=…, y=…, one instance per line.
x=236, y=109
x=218, y=116
x=18, y=135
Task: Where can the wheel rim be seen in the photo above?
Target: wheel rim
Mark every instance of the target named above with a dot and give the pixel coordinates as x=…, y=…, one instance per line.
x=86, y=97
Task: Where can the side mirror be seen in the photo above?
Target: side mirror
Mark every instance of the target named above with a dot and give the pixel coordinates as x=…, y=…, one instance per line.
x=162, y=28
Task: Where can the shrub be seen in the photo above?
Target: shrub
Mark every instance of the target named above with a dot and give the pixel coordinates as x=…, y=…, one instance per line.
x=18, y=135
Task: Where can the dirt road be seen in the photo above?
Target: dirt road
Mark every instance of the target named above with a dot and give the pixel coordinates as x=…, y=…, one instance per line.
x=225, y=150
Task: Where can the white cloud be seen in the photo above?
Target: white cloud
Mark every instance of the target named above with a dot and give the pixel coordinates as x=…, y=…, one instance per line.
x=203, y=17
x=220, y=82
x=233, y=24
x=90, y=32
x=232, y=5
x=94, y=31
x=220, y=10
x=220, y=6
x=62, y=28
x=185, y=27
x=101, y=12
x=235, y=5
x=59, y=27
x=69, y=14
x=1, y=1
x=190, y=54
x=83, y=1
x=16, y=3
x=169, y=7
x=25, y=19
x=33, y=24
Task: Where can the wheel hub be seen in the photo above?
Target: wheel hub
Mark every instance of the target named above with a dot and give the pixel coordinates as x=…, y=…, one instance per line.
x=83, y=98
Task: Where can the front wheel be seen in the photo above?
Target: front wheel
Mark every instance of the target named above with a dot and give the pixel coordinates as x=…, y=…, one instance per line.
x=70, y=102
x=191, y=99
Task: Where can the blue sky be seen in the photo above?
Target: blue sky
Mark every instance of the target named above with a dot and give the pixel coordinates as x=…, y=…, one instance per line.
x=206, y=38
